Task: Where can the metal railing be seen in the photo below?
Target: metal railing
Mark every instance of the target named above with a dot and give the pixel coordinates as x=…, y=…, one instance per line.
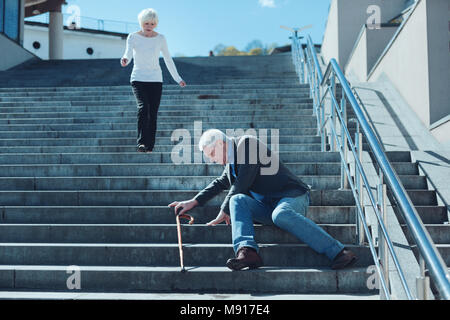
x=333, y=125
x=92, y=23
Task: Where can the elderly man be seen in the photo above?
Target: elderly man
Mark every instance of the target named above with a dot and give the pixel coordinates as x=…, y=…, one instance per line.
x=256, y=194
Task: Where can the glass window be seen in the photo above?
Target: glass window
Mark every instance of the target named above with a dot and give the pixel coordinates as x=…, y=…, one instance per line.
x=12, y=15
x=2, y=11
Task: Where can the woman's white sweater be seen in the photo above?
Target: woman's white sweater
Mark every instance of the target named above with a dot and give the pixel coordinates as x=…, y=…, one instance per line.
x=145, y=51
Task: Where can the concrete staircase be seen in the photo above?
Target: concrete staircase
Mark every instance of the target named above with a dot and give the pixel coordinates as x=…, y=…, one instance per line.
x=74, y=191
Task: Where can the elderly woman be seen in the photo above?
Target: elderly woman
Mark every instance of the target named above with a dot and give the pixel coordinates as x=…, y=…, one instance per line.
x=146, y=78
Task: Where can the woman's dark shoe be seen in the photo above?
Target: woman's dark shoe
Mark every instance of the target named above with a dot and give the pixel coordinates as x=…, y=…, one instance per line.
x=246, y=257
x=344, y=259
x=142, y=148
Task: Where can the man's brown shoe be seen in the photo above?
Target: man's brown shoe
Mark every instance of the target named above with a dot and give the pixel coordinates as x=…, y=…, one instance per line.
x=245, y=257
x=344, y=259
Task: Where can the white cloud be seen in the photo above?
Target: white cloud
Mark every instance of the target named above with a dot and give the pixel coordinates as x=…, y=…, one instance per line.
x=267, y=3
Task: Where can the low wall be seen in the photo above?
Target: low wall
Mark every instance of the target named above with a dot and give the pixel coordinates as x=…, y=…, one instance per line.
x=12, y=54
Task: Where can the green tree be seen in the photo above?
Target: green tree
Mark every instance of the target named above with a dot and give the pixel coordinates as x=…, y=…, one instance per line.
x=232, y=51
x=255, y=52
x=254, y=45
x=219, y=49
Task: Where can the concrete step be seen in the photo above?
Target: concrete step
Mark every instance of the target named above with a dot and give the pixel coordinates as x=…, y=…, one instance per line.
x=283, y=127
x=143, y=198
x=162, y=214
x=413, y=182
x=137, y=157
x=75, y=77
x=152, y=233
x=158, y=296
x=136, y=183
x=443, y=249
x=163, y=138
x=128, y=92
x=423, y=197
x=145, y=214
x=132, y=148
x=399, y=156
x=196, y=279
x=197, y=105
x=98, y=170
x=130, y=102
x=186, y=96
x=169, y=122
x=430, y=214
x=120, y=114
x=163, y=254
x=167, y=111
x=405, y=168
x=197, y=102
x=164, y=197
x=167, y=87
x=440, y=233
x=168, y=130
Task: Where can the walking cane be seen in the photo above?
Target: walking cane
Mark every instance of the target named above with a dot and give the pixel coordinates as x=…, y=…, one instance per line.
x=180, y=243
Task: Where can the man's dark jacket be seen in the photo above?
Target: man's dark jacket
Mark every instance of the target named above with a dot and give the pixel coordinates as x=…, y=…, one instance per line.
x=248, y=175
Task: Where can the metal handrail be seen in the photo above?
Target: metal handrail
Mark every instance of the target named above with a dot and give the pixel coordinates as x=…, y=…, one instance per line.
x=427, y=249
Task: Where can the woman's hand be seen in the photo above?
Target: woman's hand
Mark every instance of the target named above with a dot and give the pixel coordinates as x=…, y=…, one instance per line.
x=182, y=84
x=123, y=62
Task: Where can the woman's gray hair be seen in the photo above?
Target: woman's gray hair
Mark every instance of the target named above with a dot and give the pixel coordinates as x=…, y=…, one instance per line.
x=209, y=137
x=148, y=15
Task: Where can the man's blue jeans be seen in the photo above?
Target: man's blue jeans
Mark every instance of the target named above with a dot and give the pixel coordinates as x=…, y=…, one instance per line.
x=288, y=214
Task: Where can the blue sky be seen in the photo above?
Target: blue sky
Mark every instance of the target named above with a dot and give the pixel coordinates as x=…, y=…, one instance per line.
x=193, y=27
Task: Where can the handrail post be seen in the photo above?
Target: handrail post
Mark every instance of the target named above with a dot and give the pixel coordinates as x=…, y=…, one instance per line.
x=359, y=223
x=322, y=125
x=382, y=244
x=422, y=281
x=333, y=110
x=344, y=181
x=302, y=64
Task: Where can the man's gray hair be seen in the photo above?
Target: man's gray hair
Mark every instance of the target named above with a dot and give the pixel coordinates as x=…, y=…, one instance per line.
x=209, y=137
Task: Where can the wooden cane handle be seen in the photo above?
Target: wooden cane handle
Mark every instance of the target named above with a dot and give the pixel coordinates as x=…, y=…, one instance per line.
x=187, y=217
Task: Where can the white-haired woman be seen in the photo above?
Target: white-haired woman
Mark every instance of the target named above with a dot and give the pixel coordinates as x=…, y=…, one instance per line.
x=146, y=78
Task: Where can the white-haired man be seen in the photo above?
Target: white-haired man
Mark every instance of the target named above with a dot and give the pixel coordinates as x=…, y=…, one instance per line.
x=279, y=198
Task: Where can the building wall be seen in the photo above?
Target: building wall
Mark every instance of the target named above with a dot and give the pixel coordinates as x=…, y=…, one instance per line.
x=418, y=63
x=438, y=31
x=76, y=44
x=345, y=20
x=330, y=41
x=406, y=63
x=357, y=64
x=377, y=40
x=368, y=49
